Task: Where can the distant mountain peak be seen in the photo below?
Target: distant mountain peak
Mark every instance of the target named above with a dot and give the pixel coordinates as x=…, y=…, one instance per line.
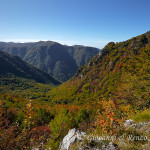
x=58, y=60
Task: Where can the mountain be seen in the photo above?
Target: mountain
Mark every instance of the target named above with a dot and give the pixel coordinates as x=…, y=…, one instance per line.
x=60, y=61
x=111, y=88
x=13, y=66
x=121, y=71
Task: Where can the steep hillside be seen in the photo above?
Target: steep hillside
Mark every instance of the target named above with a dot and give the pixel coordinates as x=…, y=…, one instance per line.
x=13, y=66
x=109, y=89
x=121, y=71
x=81, y=54
x=58, y=60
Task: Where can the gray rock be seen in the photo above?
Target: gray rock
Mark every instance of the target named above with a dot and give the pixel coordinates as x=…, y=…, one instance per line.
x=82, y=76
x=72, y=136
x=134, y=126
x=128, y=123
x=110, y=147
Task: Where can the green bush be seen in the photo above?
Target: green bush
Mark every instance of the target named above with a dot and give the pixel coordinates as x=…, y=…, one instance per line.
x=59, y=127
x=43, y=116
x=81, y=116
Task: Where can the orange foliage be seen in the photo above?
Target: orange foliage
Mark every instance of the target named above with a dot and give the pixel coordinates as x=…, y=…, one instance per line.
x=110, y=117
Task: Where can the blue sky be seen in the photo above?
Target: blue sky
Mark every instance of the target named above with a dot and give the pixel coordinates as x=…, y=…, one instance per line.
x=86, y=22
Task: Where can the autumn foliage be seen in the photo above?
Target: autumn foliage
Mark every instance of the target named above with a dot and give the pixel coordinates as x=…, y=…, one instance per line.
x=110, y=117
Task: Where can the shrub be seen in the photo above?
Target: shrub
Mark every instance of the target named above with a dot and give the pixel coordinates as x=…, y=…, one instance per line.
x=59, y=127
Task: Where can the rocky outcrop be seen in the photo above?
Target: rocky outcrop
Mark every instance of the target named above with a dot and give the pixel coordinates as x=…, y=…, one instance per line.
x=128, y=123
x=75, y=136
x=72, y=136
x=140, y=126
x=110, y=146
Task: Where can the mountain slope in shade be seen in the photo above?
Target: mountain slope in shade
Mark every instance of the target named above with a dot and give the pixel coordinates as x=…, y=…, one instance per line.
x=14, y=66
x=121, y=71
x=58, y=60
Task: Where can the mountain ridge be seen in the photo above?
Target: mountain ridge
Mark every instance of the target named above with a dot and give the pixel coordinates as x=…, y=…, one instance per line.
x=103, y=75
x=60, y=61
x=14, y=66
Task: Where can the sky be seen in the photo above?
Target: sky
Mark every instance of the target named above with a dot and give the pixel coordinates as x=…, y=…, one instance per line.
x=71, y=22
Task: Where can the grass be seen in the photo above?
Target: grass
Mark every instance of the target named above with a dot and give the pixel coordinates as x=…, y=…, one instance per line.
x=142, y=116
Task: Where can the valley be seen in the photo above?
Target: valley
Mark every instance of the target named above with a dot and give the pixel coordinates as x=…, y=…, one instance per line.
x=37, y=110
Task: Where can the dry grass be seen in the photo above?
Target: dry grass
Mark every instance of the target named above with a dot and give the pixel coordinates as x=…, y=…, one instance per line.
x=142, y=116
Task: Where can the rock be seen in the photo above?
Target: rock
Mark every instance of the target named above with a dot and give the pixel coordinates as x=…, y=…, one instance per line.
x=134, y=126
x=128, y=123
x=72, y=136
x=110, y=147
x=82, y=76
x=75, y=135
x=100, y=53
